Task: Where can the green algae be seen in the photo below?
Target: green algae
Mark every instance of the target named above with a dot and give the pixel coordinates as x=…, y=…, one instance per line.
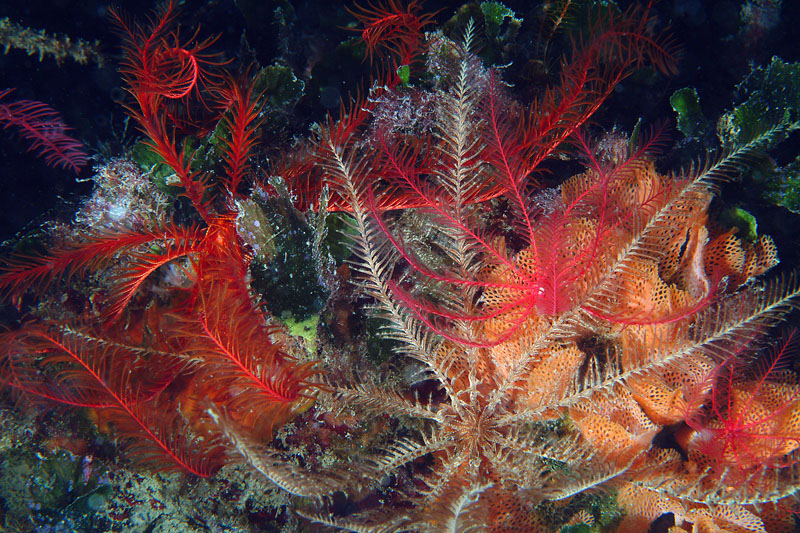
x=768, y=92
x=744, y=222
x=686, y=105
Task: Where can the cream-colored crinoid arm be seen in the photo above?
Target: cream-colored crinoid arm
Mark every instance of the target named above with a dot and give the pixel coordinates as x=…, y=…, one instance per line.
x=460, y=172
x=375, y=256
x=715, y=487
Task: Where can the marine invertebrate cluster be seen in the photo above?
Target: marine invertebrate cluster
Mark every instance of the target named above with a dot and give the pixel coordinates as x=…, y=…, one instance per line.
x=157, y=366
x=560, y=348
x=586, y=338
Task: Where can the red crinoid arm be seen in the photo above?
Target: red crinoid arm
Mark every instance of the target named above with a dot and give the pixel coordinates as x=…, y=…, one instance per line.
x=563, y=263
x=46, y=131
x=228, y=341
x=59, y=343
x=18, y=371
x=506, y=153
x=176, y=241
x=751, y=421
x=194, y=183
x=104, y=376
x=438, y=319
x=399, y=169
x=177, y=74
x=162, y=72
x=304, y=169
x=422, y=269
x=159, y=63
x=23, y=272
x=392, y=32
x=241, y=121
x=185, y=67
x=615, y=45
x=142, y=43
